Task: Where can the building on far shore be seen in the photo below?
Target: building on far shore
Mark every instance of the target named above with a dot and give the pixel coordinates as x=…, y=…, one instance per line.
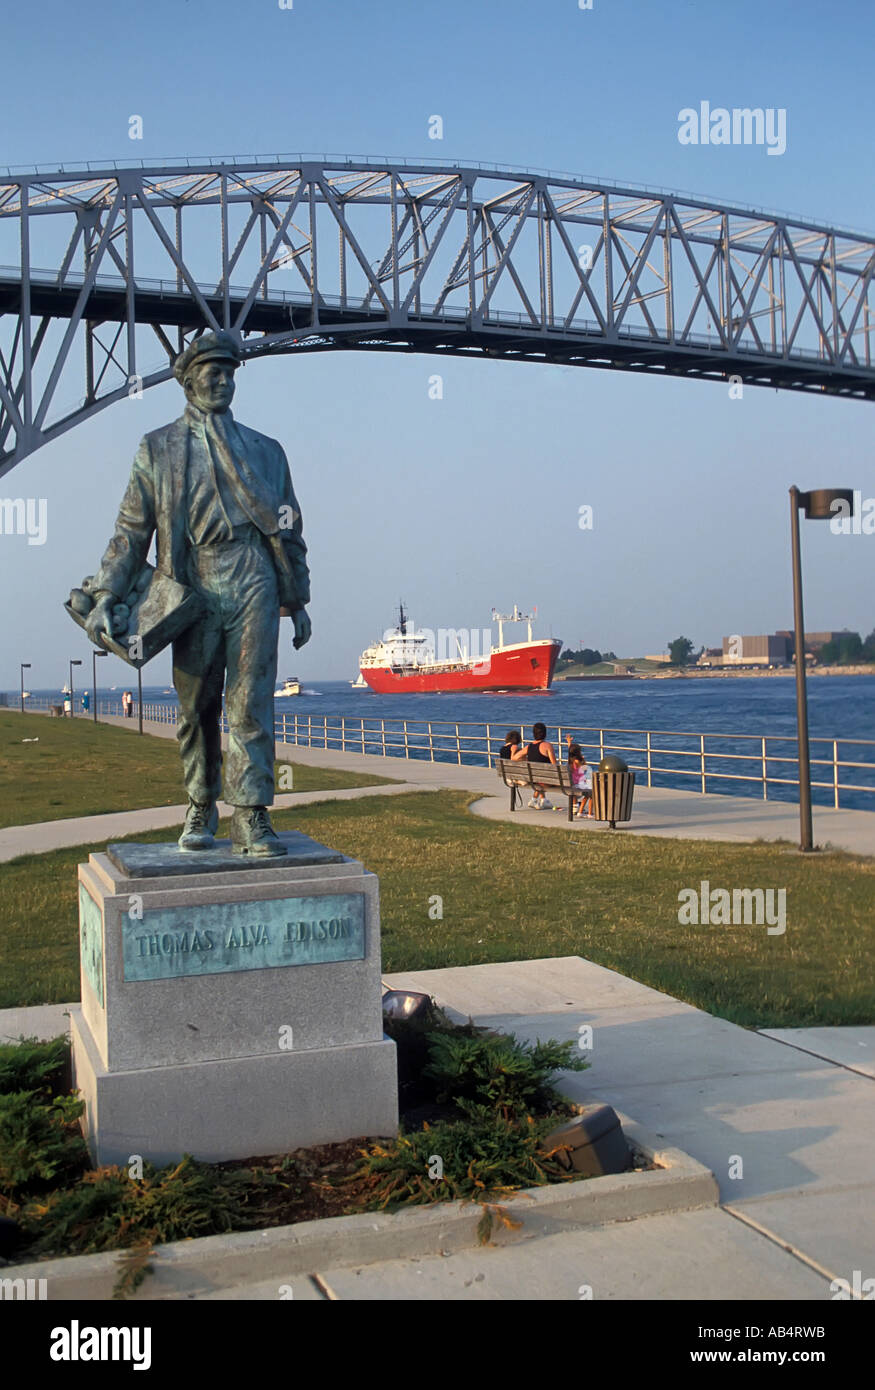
x=764, y=649
x=768, y=649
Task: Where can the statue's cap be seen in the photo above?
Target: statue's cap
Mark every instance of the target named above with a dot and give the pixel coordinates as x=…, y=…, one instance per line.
x=209, y=347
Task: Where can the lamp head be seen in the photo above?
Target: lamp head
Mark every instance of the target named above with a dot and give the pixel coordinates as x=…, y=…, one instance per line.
x=820, y=505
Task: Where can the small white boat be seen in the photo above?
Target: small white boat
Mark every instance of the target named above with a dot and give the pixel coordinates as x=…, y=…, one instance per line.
x=360, y=683
x=290, y=686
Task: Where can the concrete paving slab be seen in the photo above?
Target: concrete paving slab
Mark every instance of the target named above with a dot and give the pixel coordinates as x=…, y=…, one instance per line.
x=298, y=1288
x=549, y=986
x=847, y=1047
x=43, y=1021
x=793, y=1130
x=644, y=1046
x=637, y=1031
x=689, y=1255
x=837, y=1228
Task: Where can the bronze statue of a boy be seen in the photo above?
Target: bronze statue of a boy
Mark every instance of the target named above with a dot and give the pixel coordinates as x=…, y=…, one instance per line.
x=219, y=499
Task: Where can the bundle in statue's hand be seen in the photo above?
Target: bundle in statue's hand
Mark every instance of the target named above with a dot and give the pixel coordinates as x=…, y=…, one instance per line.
x=155, y=611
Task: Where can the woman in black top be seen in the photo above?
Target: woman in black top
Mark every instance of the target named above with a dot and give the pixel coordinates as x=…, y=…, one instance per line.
x=538, y=751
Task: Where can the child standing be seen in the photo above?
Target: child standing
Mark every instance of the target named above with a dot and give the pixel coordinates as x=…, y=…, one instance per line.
x=581, y=780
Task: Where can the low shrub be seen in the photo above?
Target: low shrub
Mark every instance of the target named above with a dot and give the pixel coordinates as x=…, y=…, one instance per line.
x=478, y=1157
x=108, y=1210
x=31, y=1065
x=40, y=1141
x=499, y=1091
x=506, y=1103
x=412, y=1038
x=496, y=1072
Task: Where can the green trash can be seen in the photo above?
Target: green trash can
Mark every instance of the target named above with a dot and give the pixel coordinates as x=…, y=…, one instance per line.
x=613, y=788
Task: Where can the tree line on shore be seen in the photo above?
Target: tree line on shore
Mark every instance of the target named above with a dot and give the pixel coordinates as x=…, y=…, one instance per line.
x=847, y=649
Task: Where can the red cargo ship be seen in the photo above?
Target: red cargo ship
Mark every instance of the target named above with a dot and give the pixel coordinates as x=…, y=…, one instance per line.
x=406, y=661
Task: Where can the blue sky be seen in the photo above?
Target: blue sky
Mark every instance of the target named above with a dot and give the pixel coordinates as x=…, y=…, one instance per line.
x=689, y=489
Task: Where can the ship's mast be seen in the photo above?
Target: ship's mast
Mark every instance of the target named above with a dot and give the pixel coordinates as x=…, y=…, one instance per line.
x=515, y=617
x=402, y=619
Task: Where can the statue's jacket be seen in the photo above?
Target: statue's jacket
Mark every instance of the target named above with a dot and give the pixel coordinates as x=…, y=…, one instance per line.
x=155, y=503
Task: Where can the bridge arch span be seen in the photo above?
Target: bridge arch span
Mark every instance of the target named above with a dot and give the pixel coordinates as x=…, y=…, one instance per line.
x=107, y=272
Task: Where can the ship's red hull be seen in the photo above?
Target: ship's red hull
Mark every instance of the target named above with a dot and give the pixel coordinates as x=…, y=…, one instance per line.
x=528, y=666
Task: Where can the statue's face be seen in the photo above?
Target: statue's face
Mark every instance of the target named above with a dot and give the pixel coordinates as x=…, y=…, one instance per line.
x=210, y=386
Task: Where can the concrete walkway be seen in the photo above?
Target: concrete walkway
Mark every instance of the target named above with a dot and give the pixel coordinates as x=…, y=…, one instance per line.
x=802, y=1126
x=680, y=815
x=89, y=830
x=788, y=1134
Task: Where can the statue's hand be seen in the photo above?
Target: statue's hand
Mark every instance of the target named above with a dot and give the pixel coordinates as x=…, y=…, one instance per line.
x=301, y=620
x=99, y=620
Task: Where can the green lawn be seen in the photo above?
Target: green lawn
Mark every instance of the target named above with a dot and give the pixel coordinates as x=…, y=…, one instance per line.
x=515, y=892
x=79, y=768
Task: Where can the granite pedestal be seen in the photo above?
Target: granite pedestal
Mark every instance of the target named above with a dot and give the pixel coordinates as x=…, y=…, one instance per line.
x=230, y=1005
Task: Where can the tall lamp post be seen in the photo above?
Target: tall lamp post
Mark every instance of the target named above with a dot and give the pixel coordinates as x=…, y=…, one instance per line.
x=94, y=655
x=25, y=666
x=818, y=506
x=72, y=706
x=140, y=697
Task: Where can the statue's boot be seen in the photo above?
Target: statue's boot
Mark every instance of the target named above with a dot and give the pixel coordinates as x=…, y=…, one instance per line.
x=201, y=824
x=252, y=832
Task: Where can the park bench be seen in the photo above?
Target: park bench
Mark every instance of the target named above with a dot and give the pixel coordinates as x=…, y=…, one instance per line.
x=516, y=775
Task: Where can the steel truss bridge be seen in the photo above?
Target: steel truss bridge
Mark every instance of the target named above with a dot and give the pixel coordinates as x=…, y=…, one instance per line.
x=106, y=273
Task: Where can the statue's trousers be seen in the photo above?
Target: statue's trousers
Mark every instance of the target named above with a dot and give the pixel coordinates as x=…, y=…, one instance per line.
x=237, y=581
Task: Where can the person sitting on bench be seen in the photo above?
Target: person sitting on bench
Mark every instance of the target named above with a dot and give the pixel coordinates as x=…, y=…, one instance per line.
x=512, y=741
x=538, y=751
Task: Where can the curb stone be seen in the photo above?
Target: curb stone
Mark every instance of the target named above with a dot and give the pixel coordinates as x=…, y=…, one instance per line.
x=204, y=1266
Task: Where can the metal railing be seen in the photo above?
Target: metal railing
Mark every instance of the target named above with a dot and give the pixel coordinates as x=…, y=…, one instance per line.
x=449, y=313
x=762, y=761
x=156, y=711
x=746, y=764
x=379, y=162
